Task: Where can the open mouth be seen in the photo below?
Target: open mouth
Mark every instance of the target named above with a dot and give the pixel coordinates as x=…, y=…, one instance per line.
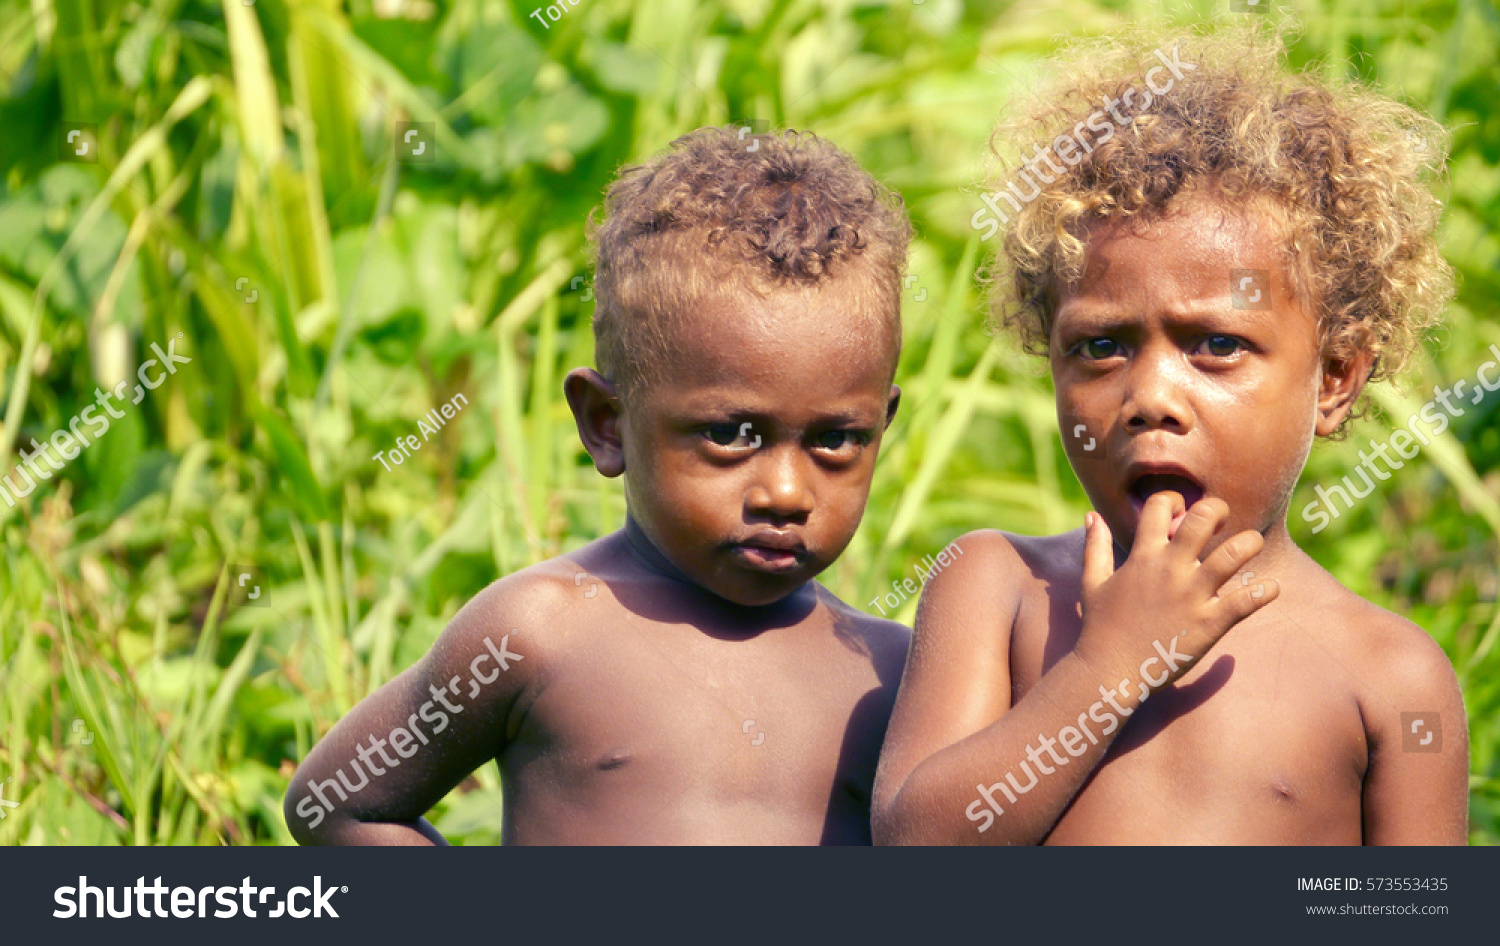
x=1149, y=484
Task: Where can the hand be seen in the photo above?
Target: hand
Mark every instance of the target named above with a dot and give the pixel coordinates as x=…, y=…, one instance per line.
x=1163, y=596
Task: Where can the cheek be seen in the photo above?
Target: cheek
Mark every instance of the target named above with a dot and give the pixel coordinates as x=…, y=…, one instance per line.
x=660, y=481
x=842, y=500
x=685, y=489
x=1284, y=403
x=1095, y=405
x=1265, y=440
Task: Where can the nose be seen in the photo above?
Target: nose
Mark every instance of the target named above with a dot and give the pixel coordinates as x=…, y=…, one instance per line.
x=1156, y=395
x=780, y=490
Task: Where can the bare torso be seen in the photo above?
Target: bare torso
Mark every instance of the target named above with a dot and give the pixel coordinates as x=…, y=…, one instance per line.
x=1262, y=742
x=1311, y=717
x=657, y=714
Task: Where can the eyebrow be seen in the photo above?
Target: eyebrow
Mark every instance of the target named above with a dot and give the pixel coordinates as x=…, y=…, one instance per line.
x=1082, y=317
x=730, y=408
x=848, y=419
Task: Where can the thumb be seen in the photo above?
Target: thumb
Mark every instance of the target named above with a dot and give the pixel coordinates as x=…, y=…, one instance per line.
x=1098, y=552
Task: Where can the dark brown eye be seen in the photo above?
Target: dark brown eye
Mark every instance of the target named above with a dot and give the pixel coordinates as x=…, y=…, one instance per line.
x=722, y=434
x=739, y=436
x=842, y=446
x=1098, y=348
x=1222, y=346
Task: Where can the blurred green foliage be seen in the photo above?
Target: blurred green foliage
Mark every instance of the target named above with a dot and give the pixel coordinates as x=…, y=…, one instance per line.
x=244, y=192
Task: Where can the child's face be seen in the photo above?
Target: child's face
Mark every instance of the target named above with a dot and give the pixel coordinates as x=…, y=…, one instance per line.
x=1177, y=386
x=750, y=464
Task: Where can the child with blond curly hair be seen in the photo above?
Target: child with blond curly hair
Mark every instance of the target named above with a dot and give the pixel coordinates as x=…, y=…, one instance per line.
x=1215, y=254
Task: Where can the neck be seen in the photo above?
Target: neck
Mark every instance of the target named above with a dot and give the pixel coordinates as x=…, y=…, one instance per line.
x=751, y=619
x=1278, y=558
x=648, y=556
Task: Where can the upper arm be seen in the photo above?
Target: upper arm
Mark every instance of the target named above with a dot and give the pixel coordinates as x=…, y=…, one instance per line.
x=957, y=678
x=447, y=713
x=1415, y=793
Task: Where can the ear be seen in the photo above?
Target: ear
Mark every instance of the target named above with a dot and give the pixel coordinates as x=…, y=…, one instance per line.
x=890, y=407
x=596, y=411
x=1339, y=385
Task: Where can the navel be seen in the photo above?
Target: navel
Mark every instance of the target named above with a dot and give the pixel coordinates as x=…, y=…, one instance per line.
x=614, y=758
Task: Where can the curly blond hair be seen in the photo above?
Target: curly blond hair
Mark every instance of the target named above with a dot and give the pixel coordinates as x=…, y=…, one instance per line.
x=726, y=212
x=1346, y=168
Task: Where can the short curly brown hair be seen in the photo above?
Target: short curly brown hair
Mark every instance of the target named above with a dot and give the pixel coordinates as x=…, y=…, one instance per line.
x=1345, y=167
x=724, y=211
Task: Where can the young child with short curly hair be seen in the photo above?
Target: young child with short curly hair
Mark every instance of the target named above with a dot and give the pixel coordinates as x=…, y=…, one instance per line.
x=683, y=680
x=1215, y=254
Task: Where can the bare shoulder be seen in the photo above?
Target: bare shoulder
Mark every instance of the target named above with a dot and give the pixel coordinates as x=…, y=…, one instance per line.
x=1395, y=664
x=1043, y=556
x=532, y=595
x=992, y=571
x=537, y=609
x=976, y=554
x=1053, y=559
x=884, y=639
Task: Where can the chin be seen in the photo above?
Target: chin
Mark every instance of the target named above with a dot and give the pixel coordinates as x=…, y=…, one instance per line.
x=756, y=601
x=752, y=589
x=753, y=594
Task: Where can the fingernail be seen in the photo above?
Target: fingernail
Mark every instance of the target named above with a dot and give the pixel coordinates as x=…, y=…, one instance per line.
x=1088, y=520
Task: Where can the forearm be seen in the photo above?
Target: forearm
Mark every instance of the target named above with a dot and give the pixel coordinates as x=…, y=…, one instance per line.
x=320, y=811
x=1020, y=769
x=342, y=830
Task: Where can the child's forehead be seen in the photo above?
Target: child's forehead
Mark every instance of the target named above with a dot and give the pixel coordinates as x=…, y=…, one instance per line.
x=1206, y=263
x=844, y=394
x=1194, y=224
x=1198, y=249
x=785, y=349
x=791, y=326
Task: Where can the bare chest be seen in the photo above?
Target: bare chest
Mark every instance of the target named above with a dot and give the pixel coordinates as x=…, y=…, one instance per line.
x=664, y=715
x=1260, y=742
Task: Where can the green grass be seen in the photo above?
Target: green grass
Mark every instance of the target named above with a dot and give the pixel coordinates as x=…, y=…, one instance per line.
x=255, y=143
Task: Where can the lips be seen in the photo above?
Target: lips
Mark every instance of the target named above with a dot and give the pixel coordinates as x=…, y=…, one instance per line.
x=771, y=552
